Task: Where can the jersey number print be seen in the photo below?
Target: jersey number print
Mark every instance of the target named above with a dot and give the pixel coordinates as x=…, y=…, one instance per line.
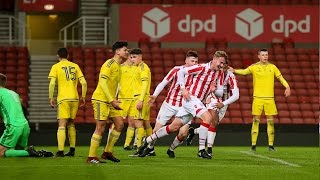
x=70, y=74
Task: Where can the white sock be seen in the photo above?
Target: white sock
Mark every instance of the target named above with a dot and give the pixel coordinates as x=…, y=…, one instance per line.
x=151, y=145
x=203, y=133
x=211, y=137
x=176, y=142
x=196, y=131
x=164, y=131
x=135, y=137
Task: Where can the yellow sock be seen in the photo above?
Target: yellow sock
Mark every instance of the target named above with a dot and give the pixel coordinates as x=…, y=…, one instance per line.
x=110, y=130
x=72, y=135
x=113, y=138
x=270, y=130
x=255, y=131
x=148, y=131
x=94, y=145
x=61, y=137
x=140, y=135
x=129, y=136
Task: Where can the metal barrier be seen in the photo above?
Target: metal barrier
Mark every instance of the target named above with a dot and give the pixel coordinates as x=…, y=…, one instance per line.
x=12, y=30
x=83, y=33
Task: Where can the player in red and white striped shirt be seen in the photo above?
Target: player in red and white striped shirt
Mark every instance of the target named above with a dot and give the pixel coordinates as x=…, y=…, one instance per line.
x=192, y=106
x=227, y=92
x=173, y=101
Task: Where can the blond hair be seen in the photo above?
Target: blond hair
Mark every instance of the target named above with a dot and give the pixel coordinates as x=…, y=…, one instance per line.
x=221, y=54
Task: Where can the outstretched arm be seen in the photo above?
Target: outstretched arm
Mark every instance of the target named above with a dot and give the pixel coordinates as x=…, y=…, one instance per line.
x=240, y=71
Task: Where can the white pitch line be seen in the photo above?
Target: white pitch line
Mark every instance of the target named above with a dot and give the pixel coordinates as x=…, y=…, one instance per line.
x=271, y=159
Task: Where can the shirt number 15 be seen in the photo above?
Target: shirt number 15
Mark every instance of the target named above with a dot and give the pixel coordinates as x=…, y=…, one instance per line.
x=70, y=73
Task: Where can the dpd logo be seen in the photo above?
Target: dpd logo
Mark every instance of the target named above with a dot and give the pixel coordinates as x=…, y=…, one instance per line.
x=249, y=24
x=155, y=23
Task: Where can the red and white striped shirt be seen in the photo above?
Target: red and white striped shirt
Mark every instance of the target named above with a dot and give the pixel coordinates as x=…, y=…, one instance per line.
x=174, y=96
x=203, y=76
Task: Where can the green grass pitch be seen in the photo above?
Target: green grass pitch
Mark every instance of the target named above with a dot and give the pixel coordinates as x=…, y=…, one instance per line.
x=228, y=163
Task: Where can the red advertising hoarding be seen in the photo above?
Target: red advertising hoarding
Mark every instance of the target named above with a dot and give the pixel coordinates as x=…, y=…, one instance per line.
x=48, y=5
x=186, y=23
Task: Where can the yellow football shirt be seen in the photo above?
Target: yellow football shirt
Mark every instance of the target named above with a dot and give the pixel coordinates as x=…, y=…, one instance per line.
x=263, y=78
x=67, y=75
x=109, y=74
x=143, y=82
x=127, y=81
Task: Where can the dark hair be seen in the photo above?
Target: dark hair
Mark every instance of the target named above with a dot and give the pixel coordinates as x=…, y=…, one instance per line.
x=3, y=79
x=62, y=52
x=263, y=50
x=191, y=53
x=136, y=51
x=221, y=54
x=119, y=45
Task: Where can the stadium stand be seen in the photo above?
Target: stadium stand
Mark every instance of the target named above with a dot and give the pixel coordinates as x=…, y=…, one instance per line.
x=14, y=62
x=301, y=107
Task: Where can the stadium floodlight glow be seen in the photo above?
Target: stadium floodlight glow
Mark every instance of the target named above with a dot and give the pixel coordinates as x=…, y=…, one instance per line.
x=48, y=7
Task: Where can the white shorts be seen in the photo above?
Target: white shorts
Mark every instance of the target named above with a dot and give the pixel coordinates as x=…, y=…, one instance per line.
x=190, y=109
x=222, y=112
x=166, y=112
x=212, y=105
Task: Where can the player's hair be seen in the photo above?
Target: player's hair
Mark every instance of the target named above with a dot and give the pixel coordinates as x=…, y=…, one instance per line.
x=263, y=50
x=3, y=79
x=221, y=54
x=62, y=52
x=192, y=53
x=136, y=51
x=119, y=45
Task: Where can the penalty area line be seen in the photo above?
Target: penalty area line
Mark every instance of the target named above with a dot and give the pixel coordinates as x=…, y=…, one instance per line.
x=271, y=159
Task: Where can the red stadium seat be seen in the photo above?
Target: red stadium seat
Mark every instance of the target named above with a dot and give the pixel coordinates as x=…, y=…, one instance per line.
x=307, y=114
x=309, y=78
x=285, y=120
x=291, y=57
x=283, y=114
x=280, y=99
x=282, y=106
x=281, y=64
x=313, y=92
x=310, y=121
x=245, y=99
x=297, y=78
x=295, y=114
x=289, y=50
x=236, y=120
x=234, y=107
x=307, y=71
x=246, y=114
x=245, y=105
x=292, y=99
x=312, y=85
x=297, y=120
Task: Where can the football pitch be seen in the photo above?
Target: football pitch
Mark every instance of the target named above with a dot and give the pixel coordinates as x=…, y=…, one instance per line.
x=227, y=163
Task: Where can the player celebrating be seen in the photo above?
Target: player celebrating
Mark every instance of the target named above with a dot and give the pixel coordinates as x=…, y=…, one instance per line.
x=173, y=101
x=263, y=73
x=66, y=74
x=192, y=106
x=227, y=92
